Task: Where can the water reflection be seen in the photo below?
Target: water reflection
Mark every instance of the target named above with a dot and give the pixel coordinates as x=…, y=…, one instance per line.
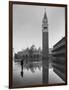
x=22, y=74
x=22, y=62
x=28, y=72
x=30, y=65
x=45, y=71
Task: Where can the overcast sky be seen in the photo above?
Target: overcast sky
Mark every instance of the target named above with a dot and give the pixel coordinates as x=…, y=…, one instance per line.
x=27, y=25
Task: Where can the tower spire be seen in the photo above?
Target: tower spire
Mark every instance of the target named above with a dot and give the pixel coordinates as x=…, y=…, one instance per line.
x=45, y=16
x=45, y=20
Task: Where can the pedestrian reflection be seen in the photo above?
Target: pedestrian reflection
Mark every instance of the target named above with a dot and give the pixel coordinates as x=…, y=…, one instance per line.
x=22, y=74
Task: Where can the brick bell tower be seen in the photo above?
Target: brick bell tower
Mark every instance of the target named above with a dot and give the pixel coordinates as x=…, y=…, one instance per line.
x=45, y=48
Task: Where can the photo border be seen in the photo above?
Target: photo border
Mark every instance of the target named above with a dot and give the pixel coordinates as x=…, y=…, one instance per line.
x=11, y=40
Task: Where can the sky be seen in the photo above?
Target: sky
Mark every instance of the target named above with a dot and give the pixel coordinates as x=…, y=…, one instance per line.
x=27, y=25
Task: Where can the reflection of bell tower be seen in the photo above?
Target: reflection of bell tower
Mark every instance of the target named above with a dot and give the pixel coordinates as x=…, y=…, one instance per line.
x=45, y=48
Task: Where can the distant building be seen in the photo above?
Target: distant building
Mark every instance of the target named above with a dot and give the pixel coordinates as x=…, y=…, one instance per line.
x=36, y=54
x=59, y=58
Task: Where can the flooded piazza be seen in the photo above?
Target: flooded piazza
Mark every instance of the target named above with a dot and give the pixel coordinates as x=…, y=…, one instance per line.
x=32, y=74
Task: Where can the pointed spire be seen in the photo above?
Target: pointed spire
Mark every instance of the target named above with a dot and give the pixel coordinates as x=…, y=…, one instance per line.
x=45, y=16
x=45, y=19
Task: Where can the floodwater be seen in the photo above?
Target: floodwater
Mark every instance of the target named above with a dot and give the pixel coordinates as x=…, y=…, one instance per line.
x=33, y=73
x=30, y=75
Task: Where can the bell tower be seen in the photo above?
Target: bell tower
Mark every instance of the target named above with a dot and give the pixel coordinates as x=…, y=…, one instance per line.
x=45, y=48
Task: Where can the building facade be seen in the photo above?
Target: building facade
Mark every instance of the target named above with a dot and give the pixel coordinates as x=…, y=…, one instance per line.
x=27, y=54
x=59, y=58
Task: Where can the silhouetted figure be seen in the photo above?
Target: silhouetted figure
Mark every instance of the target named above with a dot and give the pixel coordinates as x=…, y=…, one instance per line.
x=22, y=62
x=22, y=74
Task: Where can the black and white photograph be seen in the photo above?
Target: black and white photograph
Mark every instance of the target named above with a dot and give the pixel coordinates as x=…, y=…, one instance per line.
x=38, y=45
